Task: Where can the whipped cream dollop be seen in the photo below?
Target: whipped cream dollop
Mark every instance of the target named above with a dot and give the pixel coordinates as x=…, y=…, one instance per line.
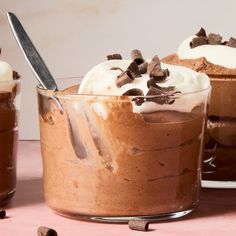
x=101, y=80
x=217, y=54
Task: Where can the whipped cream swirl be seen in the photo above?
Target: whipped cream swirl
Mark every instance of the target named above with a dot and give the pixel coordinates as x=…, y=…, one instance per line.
x=217, y=54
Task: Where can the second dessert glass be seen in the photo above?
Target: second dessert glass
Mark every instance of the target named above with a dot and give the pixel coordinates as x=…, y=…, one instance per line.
x=104, y=162
x=9, y=109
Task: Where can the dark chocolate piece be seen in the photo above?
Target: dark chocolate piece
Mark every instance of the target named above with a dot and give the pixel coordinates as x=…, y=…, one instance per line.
x=115, y=56
x=45, y=231
x=140, y=225
x=143, y=67
x=116, y=68
x=2, y=214
x=155, y=71
x=201, y=32
x=124, y=78
x=133, y=92
x=154, y=91
x=202, y=40
x=133, y=68
x=15, y=75
x=231, y=42
x=136, y=56
x=139, y=100
x=214, y=39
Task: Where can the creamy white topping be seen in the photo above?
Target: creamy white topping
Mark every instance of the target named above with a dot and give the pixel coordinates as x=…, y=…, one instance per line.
x=100, y=80
x=6, y=76
x=6, y=73
x=217, y=54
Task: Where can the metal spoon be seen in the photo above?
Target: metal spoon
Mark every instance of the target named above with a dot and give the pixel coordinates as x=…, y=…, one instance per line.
x=32, y=56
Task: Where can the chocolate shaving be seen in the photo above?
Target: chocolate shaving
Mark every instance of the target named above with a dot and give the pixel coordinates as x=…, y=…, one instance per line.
x=136, y=56
x=201, y=32
x=124, y=78
x=143, y=67
x=214, y=39
x=0, y=51
x=116, y=68
x=2, y=214
x=15, y=75
x=133, y=68
x=155, y=71
x=140, y=225
x=139, y=100
x=154, y=91
x=115, y=56
x=133, y=92
x=231, y=42
x=45, y=231
x=202, y=40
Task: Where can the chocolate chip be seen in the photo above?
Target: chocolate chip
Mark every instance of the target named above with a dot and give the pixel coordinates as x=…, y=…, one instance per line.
x=115, y=56
x=231, y=42
x=133, y=92
x=201, y=32
x=45, y=231
x=124, y=78
x=136, y=56
x=198, y=41
x=116, y=68
x=2, y=214
x=214, y=39
x=143, y=67
x=140, y=225
x=133, y=68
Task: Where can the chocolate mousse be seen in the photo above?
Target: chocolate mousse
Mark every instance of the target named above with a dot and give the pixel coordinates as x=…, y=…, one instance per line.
x=127, y=148
x=9, y=87
x=216, y=58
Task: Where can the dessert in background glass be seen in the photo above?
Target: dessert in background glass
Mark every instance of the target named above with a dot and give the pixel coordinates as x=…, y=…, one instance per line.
x=9, y=108
x=217, y=58
x=127, y=143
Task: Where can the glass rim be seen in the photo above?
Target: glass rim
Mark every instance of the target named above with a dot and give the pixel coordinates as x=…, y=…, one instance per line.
x=55, y=94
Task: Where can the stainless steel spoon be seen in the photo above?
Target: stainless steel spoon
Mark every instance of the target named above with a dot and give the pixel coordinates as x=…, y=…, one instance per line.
x=32, y=56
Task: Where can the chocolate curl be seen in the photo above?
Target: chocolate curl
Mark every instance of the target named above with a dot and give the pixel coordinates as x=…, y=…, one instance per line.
x=214, y=39
x=154, y=91
x=124, y=78
x=231, y=42
x=2, y=214
x=140, y=225
x=115, y=56
x=154, y=70
x=15, y=75
x=45, y=231
x=143, y=67
x=201, y=32
x=198, y=41
x=133, y=92
x=136, y=56
x=133, y=68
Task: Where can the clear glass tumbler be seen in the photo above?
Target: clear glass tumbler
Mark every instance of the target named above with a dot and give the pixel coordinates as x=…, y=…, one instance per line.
x=9, y=109
x=219, y=167
x=104, y=160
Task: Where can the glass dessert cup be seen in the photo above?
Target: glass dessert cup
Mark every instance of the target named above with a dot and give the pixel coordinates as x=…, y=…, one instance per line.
x=9, y=109
x=219, y=166
x=104, y=162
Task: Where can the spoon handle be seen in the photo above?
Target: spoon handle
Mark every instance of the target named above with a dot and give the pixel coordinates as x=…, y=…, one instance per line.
x=35, y=61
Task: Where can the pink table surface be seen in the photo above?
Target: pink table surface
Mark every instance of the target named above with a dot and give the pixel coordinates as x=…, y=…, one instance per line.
x=215, y=215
